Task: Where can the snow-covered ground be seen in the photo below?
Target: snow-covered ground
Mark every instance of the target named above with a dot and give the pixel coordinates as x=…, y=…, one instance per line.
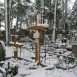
x=30, y=68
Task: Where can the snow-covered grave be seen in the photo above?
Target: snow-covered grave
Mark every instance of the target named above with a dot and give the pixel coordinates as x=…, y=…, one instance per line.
x=54, y=66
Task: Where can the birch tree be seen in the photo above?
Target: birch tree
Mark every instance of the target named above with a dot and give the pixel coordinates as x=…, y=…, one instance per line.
x=7, y=20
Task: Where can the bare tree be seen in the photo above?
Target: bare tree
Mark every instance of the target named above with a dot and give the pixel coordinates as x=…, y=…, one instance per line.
x=7, y=20
x=54, y=26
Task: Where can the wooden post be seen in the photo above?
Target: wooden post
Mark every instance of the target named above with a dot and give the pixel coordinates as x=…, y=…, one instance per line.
x=37, y=47
x=37, y=51
x=15, y=54
x=15, y=44
x=14, y=39
x=37, y=44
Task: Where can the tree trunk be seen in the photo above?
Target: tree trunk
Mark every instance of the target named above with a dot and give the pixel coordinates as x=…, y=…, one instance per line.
x=63, y=21
x=7, y=20
x=65, y=9
x=11, y=14
x=21, y=22
x=42, y=11
x=17, y=21
x=54, y=26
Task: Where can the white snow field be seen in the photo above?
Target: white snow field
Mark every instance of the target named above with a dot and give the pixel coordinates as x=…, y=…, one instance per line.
x=30, y=68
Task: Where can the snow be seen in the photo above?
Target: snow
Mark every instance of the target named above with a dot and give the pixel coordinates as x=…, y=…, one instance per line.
x=44, y=25
x=2, y=69
x=30, y=68
x=69, y=46
x=67, y=53
x=52, y=73
x=16, y=43
x=3, y=45
x=0, y=75
x=71, y=3
x=9, y=51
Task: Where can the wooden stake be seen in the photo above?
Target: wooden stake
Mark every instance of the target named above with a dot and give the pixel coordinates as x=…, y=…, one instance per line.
x=37, y=51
